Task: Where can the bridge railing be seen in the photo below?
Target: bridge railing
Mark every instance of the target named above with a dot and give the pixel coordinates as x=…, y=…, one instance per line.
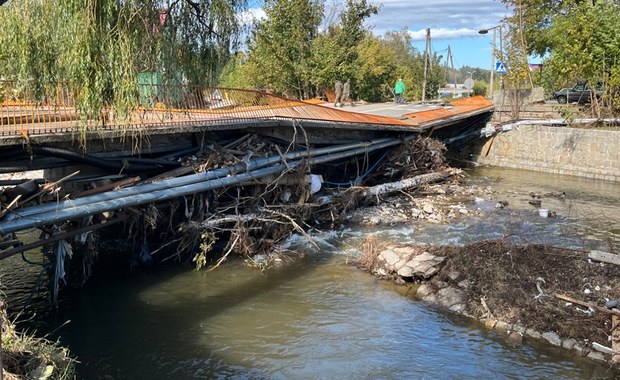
x=56, y=107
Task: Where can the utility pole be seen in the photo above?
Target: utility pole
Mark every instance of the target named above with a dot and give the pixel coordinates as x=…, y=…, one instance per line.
x=426, y=61
x=450, y=58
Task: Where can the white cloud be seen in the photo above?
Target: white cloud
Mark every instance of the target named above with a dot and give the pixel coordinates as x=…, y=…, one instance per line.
x=445, y=18
x=443, y=34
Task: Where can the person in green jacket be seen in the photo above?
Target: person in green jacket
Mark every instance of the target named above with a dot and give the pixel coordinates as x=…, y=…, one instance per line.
x=399, y=89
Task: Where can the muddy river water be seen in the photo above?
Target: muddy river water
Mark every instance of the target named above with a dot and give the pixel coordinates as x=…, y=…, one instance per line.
x=319, y=317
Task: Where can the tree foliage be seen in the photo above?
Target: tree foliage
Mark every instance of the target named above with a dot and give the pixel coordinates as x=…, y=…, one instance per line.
x=280, y=50
x=101, y=45
x=288, y=54
x=578, y=38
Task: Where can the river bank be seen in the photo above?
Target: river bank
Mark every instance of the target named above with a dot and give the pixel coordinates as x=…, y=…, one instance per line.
x=24, y=356
x=509, y=284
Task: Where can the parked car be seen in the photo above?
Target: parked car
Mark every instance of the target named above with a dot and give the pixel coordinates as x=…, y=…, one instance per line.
x=580, y=93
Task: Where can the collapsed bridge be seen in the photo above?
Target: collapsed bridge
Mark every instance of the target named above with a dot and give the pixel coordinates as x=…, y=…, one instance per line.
x=218, y=152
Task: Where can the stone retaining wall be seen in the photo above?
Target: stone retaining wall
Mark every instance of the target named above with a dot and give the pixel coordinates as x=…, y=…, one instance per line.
x=560, y=150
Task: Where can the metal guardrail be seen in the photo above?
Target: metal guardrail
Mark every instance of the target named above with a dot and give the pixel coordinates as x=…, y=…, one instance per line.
x=55, y=108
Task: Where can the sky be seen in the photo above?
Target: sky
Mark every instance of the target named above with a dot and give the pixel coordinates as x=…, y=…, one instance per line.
x=452, y=22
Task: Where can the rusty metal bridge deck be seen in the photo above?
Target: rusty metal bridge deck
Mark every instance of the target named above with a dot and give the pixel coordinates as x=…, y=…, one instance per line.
x=57, y=110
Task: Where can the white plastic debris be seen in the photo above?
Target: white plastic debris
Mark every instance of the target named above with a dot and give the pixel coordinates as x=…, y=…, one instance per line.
x=315, y=183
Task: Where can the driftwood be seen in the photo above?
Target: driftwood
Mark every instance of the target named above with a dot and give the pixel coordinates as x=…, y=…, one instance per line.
x=50, y=187
x=10, y=206
x=606, y=257
x=63, y=235
x=587, y=304
x=408, y=183
x=111, y=186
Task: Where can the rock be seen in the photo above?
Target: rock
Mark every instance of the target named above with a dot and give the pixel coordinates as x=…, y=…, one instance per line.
x=597, y=356
x=435, y=218
x=381, y=272
x=463, y=211
x=533, y=334
x=515, y=338
x=424, y=290
x=611, y=304
x=374, y=220
x=400, y=264
x=428, y=208
x=425, y=265
x=465, y=284
x=454, y=275
x=449, y=297
x=569, y=343
x=405, y=250
x=390, y=257
x=502, y=327
x=405, y=271
x=552, y=338
x=458, y=308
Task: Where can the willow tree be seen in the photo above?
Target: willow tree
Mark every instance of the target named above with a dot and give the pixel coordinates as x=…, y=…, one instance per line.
x=100, y=46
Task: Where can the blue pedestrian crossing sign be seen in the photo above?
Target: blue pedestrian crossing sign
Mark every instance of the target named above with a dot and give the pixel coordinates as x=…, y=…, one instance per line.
x=500, y=68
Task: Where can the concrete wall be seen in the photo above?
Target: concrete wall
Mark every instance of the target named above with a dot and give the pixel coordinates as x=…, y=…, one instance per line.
x=561, y=150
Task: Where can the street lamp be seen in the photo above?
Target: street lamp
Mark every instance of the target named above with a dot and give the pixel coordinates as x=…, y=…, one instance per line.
x=485, y=31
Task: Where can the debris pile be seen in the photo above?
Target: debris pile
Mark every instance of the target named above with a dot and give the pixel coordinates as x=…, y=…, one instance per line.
x=531, y=291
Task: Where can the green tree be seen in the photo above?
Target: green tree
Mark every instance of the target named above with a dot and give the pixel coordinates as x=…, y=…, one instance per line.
x=409, y=63
x=352, y=32
x=280, y=50
x=579, y=38
x=376, y=64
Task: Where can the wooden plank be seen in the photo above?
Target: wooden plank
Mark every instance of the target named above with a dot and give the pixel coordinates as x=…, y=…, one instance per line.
x=587, y=304
x=605, y=257
x=487, y=146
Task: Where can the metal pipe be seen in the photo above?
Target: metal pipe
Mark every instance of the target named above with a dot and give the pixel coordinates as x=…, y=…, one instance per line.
x=169, y=193
x=186, y=180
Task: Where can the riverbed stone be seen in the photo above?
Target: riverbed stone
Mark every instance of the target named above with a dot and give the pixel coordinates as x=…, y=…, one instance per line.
x=428, y=208
x=425, y=265
x=552, y=338
x=374, y=220
x=404, y=251
x=502, y=327
x=405, y=271
x=515, y=338
x=450, y=297
x=569, y=343
x=454, y=275
x=390, y=257
x=424, y=291
x=458, y=308
x=465, y=284
x=533, y=334
x=597, y=356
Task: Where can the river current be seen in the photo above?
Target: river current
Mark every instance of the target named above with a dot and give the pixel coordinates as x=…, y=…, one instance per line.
x=319, y=317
